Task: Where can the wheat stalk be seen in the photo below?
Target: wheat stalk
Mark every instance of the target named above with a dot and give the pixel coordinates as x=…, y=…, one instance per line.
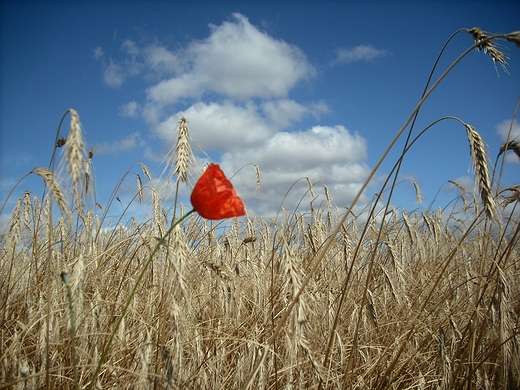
x=514, y=37
x=514, y=197
x=54, y=187
x=139, y=188
x=480, y=165
x=417, y=192
x=146, y=171
x=180, y=155
x=487, y=44
x=75, y=152
x=258, y=178
x=87, y=170
x=513, y=145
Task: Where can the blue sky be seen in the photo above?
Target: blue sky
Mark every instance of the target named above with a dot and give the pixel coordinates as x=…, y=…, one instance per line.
x=302, y=89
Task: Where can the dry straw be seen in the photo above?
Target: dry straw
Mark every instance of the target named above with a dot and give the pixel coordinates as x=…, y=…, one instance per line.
x=514, y=37
x=181, y=154
x=139, y=187
x=75, y=152
x=88, y=163
x=54, y=187
x=513, y=145
x=486, y=43
x=434, y=309
x=418, y=193
x=146, y=171
x=480, y=165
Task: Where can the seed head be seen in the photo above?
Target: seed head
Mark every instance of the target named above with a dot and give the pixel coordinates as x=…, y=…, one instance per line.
x=487, y=44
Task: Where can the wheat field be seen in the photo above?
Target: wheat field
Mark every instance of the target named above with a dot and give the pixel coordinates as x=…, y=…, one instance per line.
x=321, y=299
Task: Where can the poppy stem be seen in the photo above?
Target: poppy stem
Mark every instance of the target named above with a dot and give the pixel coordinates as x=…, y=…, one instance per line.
x=132, y=293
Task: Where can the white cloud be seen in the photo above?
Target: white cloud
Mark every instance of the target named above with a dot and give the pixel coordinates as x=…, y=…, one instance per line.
x=303, y=150
x=130, y=47
x=243, y=62
x=282, y=113
x=218, y=126
x=228, y=126
x=114, y=74
x=128, y=143
x=98, y=53
x=130, y=109
x=330, y=155
x=245, y=77
x=503, y=130
x=163, y=61
x=237, y=61
x=357, y=53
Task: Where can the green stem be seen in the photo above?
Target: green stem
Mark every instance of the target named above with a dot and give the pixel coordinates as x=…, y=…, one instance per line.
x=132, y=293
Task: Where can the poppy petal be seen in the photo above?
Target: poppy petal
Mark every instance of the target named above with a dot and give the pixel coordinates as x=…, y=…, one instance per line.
x=214, y=197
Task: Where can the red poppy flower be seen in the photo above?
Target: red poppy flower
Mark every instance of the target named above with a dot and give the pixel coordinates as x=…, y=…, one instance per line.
x=214, y=197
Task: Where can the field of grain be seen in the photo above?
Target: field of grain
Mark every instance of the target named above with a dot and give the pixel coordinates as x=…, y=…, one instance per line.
x=323, y=299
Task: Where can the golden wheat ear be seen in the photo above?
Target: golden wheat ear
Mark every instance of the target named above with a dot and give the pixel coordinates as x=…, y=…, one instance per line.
x=487, y=44
x=54, y=187
x=510, y=145
x=75, y=148
x=180, y=155
x=480, y=165
x=514, y=37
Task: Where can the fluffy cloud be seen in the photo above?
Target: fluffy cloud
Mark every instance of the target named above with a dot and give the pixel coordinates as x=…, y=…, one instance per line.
x=230, y=126
x=504, y=127
x=328, y=155
x=128, y=143
x=237, y=61
x=129, y=109
x=357, y=53
x=233, y=89
x=115, y=73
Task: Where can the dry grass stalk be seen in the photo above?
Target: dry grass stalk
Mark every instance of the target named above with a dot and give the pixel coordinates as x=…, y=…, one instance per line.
x=209, y=334
x=480, y=165
x=514, y=37
x=179, y=253
x=327, y=195
x=298, y=321
x=188, y=329
x=258, y=178
x=418, y=193
x=514, y=197
x=412, y=232
x=139, y=188
x=157, y=215
x=75, y=148
x=54, y=187
x=146, y=171
x=486, y=44
x=180, y=155
x=311, y=187
x=27, y=209
x=459, y=186
x=88, y=162
x=513, y=145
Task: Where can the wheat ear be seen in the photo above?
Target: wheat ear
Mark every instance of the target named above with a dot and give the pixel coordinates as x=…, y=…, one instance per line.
x=487, y=44
x=54, y=187
x=513, y=145
x=480, y=165
x=180, y=154
x=74, y=146
x=514, y=37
